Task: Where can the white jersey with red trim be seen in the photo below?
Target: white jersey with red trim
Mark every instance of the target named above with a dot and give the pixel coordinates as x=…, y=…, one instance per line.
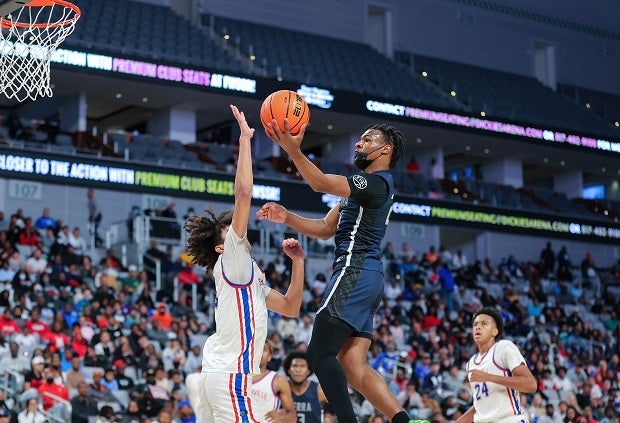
x=240, y=312
x=494, y=402
x=264, y=396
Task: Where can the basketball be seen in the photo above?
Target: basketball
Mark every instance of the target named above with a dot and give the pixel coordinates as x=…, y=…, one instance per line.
x=285, y=104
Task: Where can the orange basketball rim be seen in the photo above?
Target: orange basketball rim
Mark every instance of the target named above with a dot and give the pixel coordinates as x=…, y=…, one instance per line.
x=31, y=20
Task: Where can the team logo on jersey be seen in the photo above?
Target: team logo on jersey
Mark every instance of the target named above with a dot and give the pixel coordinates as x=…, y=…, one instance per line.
x=360, y=182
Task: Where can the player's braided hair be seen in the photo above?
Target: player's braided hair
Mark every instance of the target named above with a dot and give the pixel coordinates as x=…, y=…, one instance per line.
x=394, y=137
x=205, y=232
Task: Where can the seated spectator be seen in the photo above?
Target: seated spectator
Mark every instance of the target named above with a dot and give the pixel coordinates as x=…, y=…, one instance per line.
x=45, y=221
x=31, y=413
x=304, y=329
x=26, y=338
x=173, y=356
x=410, y=398
x=50, y=386
x=390, y=261
x=151, y=398
x=186, y=275
x=75, y=375
x=108, y=275
x=36, y=264
x=109, y=380
x=412, y=166
x=386, y=360
x=64, y=235
x=423, y=366
x=431, y=255
x=181, y=309
x=158, y=334
x=162, y=317
x=130, y=282
x=98, y=390
x=393, y=290
x=8, y=325
x=105, y=348
x=106, y=415
x=162, y=380
x=84, y=405
x=433, y=381
x=186, y=412
x=319, y=284
x=56, y=338
x=6, y=274
x=36, y=325
x=124, y=382
x=406, y=259
x=459, y=260
x=193, y=362
x=28, y=237
x=133, y=414
x=78, y=242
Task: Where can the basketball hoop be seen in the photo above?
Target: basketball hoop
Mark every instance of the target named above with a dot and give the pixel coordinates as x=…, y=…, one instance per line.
x=29, y=35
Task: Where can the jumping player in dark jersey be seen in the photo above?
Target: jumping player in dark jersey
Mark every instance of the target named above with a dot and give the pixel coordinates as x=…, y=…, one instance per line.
x=343, y=327
x=308, y=396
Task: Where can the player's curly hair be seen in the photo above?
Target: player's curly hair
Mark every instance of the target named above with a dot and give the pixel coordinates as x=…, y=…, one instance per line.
x=395, y=137
x=292, y=355
x=495, y=315
x=205, y=232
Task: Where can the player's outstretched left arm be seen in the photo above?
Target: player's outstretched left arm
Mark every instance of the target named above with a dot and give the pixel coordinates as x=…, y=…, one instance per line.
x=289, y=304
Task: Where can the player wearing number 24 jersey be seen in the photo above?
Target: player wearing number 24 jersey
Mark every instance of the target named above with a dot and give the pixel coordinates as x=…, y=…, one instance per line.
x=497, y=374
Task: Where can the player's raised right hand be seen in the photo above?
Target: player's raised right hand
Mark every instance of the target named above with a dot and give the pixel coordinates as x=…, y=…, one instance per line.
x=292, y=248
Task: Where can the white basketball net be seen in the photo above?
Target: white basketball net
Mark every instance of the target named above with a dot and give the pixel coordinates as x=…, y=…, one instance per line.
x=28, y=39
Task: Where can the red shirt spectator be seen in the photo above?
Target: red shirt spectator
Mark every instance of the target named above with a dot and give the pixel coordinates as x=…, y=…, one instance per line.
x=187, y=277
x=79, y=344
x=37, y=326
x=28, y=236
x=7, y=324
x=51, y=387
x=431, y=320
x=56, y=338
x=163, y=317
x=412, y=166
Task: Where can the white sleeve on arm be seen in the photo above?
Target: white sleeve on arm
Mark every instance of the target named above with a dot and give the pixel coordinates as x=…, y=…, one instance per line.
x=266, y=291
x=509, y=355
x=236, y=259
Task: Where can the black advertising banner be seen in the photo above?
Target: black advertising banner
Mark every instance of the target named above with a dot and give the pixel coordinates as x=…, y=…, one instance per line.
x=215, y=81
x=123, y=176
x=296, y=195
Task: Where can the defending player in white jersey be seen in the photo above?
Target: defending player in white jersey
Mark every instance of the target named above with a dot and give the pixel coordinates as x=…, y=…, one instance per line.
x=271, y=393
x=232, y=355
x=497, y=374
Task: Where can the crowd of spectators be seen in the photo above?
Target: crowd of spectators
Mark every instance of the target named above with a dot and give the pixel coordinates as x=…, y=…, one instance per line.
x=81, y=338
